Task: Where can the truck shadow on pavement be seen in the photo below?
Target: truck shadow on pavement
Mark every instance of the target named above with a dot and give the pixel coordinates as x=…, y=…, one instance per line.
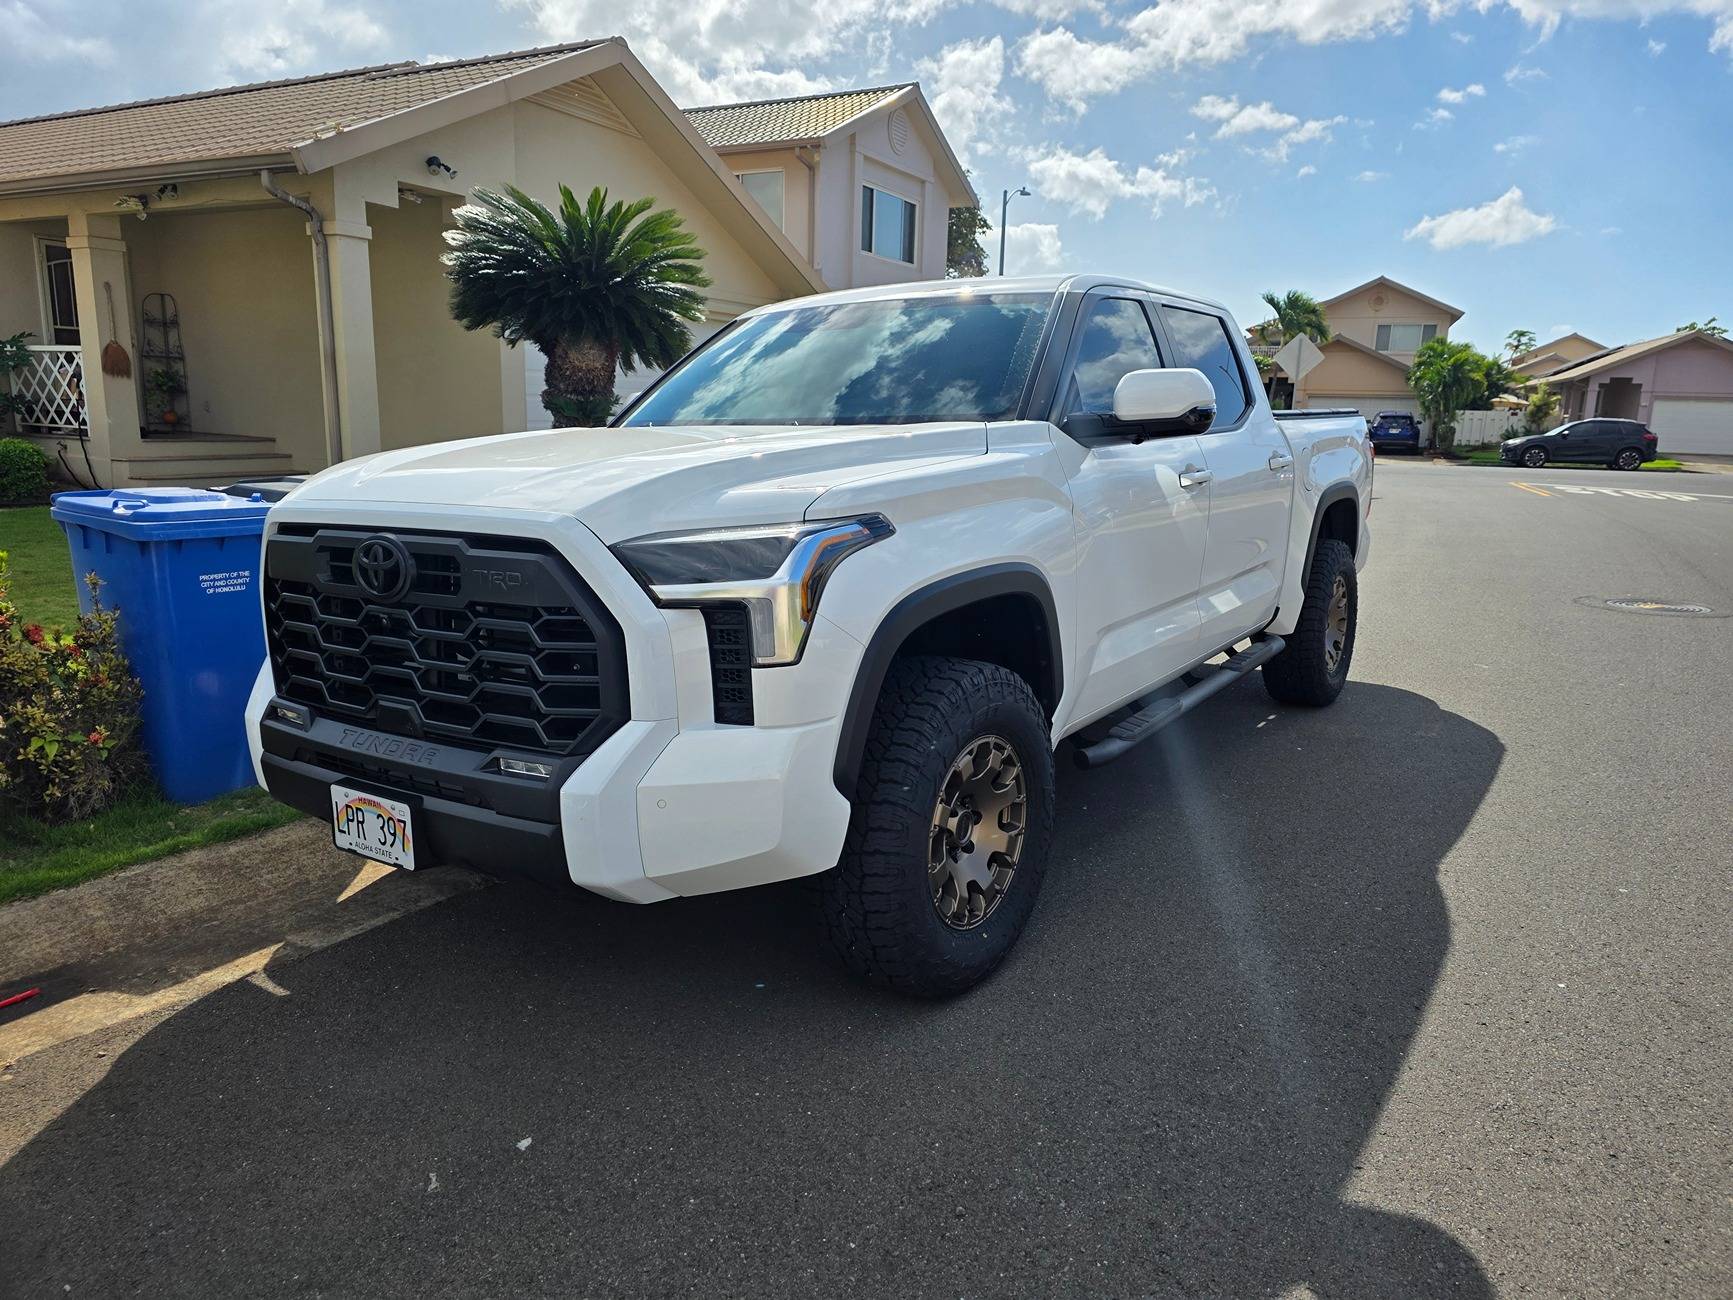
x=1167, y=1089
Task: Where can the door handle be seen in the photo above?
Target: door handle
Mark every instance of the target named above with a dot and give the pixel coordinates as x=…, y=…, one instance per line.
x=1193, y=477
x=1279, y=462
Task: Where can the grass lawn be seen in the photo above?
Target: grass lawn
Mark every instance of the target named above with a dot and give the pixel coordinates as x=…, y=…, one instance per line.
x=41, y=563
x=1490, y=456
x=35, y=858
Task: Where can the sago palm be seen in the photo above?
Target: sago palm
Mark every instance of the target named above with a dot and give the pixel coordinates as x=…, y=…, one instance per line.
x=594, y=286
x=1296, y=313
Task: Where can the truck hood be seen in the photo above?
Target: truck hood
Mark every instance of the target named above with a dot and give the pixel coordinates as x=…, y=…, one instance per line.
x=628, y=482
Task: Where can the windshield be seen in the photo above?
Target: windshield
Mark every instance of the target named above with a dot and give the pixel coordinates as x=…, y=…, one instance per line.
x=961, y=356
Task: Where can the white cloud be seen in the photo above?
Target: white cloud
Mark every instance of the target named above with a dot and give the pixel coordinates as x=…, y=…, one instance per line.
x=963, y=86
x=1449, y=96
x=44, y=40
x=711, y=51
x=1435, y=118
x=292, y=36
x=1307, y=170
x=1503, y=221
x=1462, y=38
x=1242, y=119
x=1656, y=48
x=1180, y=35
x=1515, y=144
x=1369, y=177
x=1090, y=183
x=1517, y=73
x=1030, y=249
x=1612, y=230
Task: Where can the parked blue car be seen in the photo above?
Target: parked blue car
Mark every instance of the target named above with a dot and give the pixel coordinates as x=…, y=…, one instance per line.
x=1394, y=431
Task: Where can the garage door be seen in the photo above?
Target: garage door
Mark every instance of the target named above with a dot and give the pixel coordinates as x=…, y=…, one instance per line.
x=1693, y=425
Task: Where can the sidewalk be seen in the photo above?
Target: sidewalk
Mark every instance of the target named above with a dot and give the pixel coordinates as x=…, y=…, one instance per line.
x=162, y=934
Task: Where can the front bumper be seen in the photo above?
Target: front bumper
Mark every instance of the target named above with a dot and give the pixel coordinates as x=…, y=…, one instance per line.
x=670, y=804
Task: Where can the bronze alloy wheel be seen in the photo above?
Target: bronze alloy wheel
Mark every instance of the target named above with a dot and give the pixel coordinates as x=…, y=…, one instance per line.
x=977, y=835
x=1336, y=625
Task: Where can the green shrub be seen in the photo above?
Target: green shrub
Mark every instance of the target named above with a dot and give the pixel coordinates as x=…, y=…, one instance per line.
x=23, y=473
x=68, y=714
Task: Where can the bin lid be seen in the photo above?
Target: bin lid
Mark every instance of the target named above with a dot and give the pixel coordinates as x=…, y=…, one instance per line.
x=162, y=514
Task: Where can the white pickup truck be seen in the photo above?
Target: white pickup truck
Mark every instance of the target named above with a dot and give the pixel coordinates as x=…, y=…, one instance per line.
x=822, y=602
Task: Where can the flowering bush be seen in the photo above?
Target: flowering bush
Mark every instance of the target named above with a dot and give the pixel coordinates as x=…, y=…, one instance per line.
x=68, y=713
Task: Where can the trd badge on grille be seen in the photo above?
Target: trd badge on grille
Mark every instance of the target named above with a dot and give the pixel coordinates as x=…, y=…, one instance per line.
x=383, y=568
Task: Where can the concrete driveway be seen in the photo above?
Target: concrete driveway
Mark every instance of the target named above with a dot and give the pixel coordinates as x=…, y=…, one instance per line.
x=1424, y=994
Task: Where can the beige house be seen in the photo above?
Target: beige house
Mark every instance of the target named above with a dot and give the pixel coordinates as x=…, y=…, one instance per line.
x=277, y=246
x=861, y=181
x=1555, y=355
x=1376, y=329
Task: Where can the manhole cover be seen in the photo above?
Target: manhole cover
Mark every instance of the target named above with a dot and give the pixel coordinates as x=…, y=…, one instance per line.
x=1649, y=605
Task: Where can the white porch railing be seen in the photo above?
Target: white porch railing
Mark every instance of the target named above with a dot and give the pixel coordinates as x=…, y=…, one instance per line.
x=51, y=390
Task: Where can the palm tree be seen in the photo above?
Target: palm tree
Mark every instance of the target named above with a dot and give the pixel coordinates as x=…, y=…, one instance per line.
x=1519, y=341
x=594, y=286
x=1448, y=378
x=1296, y=313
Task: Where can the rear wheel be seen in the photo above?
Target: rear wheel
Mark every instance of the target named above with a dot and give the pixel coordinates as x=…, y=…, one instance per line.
x=1534, y=457
x=1628, y=458
x=951, y=825
x=1313, y=668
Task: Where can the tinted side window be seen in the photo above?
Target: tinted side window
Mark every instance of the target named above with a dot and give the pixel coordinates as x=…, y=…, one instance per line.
x=1116, y=340
x=1201, y=341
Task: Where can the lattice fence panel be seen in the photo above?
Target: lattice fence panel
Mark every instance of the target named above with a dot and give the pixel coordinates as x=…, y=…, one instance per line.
x=52, y=390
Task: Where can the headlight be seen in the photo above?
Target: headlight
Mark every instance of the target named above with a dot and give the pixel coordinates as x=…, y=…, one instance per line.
x=777, y=571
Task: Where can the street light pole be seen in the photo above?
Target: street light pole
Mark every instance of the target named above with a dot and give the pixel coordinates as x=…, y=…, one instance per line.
x=1022, y=191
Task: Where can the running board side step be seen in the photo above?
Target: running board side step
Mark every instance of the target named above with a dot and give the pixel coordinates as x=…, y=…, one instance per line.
x=1143, y=724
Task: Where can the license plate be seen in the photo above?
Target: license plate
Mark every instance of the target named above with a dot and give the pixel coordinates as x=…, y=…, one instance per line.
x=372, y=826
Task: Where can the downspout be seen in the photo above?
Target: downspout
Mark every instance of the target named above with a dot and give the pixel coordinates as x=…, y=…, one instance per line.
x=811, y=165
x=327, y=321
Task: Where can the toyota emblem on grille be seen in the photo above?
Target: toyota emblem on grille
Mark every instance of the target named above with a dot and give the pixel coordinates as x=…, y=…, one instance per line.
x=383, y=568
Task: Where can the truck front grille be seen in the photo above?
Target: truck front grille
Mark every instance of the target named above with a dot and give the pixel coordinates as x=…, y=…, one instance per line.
x=492, y=643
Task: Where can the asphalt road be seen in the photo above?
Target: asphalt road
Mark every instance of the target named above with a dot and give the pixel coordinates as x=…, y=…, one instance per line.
x=1424, y=994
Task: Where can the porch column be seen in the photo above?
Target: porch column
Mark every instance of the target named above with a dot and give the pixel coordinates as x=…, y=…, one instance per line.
x=352, y=329
x=111, y=404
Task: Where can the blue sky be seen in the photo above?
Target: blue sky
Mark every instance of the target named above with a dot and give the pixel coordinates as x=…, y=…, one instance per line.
x=1545, y=164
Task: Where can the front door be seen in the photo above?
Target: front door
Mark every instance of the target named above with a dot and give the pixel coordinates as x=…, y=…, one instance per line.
x=1142, y=513
x=1251, y=489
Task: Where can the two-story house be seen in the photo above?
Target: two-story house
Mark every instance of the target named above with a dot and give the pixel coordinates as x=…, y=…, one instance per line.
x=861, y=181
x=1376, y=328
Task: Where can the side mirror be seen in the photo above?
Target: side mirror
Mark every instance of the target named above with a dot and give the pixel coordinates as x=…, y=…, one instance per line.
x=1155, y=402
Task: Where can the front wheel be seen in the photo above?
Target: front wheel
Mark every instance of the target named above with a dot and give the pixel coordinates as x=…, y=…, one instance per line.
x=1629, y=458
x=952, y=820
x=1534, y=457
x=1313, y=668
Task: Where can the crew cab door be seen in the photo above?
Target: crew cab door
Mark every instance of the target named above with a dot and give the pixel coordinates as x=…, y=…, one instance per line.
x=1251, y=488
x=1141, y=511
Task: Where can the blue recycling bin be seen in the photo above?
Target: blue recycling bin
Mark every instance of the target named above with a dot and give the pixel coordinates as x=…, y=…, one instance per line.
x=181, y=565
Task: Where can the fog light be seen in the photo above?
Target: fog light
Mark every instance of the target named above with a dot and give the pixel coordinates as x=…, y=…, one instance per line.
x=524, y=767
x=294, y=717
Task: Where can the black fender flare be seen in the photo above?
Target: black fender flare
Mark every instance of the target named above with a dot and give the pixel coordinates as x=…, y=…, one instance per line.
x=914, y=610
x=1330, y=495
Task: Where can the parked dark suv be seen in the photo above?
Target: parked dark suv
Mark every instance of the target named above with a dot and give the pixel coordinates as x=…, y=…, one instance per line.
x=1618, y=444
x=1393, y=431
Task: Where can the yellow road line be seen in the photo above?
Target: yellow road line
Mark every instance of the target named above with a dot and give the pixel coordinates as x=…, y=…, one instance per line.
x=1526, y=488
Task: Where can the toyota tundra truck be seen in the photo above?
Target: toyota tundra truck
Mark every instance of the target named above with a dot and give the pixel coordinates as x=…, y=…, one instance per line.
x=823, y=602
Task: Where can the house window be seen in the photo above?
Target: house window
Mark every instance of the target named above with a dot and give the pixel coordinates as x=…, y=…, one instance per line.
x=58, y=294
x=887, y=225
x=1405, y=338
x=766, y=189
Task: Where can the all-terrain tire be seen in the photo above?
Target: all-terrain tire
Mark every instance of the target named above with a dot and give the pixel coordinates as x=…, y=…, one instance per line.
x=1307, y=672
x=877, y=905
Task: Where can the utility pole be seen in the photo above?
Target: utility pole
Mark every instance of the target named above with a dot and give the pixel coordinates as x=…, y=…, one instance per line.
x=1022, y=191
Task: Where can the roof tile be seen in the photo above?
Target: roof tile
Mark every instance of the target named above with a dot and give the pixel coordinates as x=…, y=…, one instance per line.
x=777, y=121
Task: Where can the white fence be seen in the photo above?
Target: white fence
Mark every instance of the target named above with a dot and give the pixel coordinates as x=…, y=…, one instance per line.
x=1486, y=428
x=51, y=391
